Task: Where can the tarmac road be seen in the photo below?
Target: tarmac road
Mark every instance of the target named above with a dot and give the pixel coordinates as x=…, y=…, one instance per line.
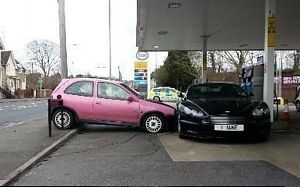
x=14, y=112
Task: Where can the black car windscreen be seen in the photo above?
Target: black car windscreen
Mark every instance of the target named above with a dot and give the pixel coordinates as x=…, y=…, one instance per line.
x=215, y=90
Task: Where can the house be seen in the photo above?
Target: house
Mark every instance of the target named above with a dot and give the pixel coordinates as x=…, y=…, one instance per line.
x=2, y=67
x=12, y=72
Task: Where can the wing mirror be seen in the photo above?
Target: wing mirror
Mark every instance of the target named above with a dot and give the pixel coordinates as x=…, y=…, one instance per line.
x=131, y=99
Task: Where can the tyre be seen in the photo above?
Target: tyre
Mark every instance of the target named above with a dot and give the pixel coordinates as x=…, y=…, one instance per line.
x=263, y=137
x=179, y=129
x=156, y=98
x=298, y=106
x=154, y=123
x=68, y=119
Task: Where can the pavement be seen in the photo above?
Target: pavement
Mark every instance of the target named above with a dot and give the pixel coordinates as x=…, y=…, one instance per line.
x=24, y=144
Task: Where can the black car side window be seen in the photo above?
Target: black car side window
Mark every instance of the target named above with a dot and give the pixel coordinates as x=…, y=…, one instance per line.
x=80, y=88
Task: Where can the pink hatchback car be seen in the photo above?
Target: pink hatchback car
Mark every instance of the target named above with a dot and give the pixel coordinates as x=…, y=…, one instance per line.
x=91, y=100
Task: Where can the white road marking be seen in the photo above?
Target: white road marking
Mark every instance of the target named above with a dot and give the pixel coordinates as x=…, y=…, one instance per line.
x=14, y=108
x=21, y=122
x=1, y=109
x=6, y=106
x=12, y=105
x=20, y=107
x=29, y=106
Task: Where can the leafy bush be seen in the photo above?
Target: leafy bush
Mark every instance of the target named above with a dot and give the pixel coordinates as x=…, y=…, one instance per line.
x=6, y=92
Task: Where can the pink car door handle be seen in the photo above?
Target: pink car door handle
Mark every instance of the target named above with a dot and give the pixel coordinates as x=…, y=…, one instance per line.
x=98, y=103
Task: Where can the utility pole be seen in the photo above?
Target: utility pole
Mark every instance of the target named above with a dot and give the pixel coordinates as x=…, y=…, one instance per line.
x=109, y=26
x=62, y=38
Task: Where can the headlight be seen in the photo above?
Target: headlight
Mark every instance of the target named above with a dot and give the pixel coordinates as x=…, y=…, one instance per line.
x=191, y=110
x=261, y=110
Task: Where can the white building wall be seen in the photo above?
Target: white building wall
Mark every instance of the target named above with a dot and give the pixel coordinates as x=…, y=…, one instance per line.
x=1, y=79
x=11, y=67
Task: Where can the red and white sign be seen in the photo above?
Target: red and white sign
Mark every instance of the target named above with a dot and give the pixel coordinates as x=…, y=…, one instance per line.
x=291, y=80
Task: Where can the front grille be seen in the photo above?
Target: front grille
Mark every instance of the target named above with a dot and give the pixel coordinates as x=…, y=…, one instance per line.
x=227, y=120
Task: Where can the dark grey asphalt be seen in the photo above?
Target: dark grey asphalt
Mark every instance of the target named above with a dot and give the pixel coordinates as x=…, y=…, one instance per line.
x=20, y=143
x=128, y=156
x=13, y=112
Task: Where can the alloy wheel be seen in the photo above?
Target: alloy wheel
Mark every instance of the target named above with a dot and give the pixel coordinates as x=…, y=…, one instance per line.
x=66, y=120
x=153, y=124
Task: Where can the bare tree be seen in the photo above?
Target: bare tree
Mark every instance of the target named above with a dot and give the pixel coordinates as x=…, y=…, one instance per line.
x=45, y=55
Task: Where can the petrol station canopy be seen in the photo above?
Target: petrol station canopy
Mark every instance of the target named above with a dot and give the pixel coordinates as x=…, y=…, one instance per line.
x=165, y=25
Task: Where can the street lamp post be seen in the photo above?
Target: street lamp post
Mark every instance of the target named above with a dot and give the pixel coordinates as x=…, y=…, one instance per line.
x=62, y=37
x=109, y=26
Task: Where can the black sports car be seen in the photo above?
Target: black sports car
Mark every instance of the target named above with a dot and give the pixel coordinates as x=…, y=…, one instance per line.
x=222, y=110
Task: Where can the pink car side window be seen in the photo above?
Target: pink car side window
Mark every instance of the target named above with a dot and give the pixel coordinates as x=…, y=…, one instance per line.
x=111, y=91
x=81, y=88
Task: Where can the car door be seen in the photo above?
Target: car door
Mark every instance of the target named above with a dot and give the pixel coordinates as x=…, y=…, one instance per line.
x=111, y=105
x=79, y=97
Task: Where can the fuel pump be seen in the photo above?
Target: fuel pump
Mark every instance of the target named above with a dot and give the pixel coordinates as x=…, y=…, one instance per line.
x=253, y=80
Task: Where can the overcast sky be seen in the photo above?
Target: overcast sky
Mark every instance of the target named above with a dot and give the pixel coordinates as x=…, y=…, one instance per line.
x=22, y=21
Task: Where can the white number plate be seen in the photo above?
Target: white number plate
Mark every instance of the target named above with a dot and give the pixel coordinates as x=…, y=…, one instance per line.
x=231, y=127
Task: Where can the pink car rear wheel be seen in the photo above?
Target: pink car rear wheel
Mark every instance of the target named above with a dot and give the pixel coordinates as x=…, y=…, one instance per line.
x=67, y=117
x=153, y=123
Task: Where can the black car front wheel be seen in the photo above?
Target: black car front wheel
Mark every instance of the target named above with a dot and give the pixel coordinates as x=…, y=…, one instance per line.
x=263, y=137
x=179, y=129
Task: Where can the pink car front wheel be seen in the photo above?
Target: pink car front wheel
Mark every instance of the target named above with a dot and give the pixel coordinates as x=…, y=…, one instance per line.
x=154, y=123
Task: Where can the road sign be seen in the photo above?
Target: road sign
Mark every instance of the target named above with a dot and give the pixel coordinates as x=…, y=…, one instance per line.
x=271, y=31
x=140, y=82
x=140, y=72
x=140, y=65
x=260, y=60
x=142, y=55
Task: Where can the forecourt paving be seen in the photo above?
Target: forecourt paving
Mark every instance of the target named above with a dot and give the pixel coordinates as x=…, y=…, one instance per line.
x=101, y=155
